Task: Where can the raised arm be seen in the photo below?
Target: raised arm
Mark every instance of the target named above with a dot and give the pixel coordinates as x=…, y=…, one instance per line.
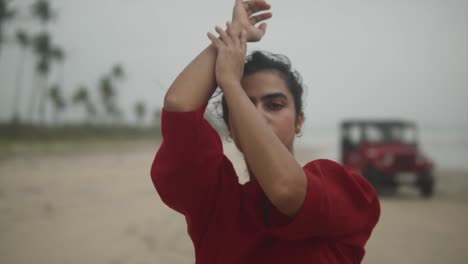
x=278, y=173
x=196, y=83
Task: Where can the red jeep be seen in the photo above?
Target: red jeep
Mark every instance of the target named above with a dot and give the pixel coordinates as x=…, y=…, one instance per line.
x=387, y=154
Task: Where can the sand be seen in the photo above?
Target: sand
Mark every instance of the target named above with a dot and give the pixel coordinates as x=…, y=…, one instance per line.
x=96, y=204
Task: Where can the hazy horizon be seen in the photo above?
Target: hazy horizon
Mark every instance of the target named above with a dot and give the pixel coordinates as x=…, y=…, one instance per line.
x=365, y=59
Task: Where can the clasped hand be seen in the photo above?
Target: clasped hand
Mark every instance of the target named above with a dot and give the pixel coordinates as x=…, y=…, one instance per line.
x=231, y=49
x=231, y=45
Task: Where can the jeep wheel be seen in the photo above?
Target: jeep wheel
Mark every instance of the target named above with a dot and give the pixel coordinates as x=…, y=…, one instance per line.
x=426, y=184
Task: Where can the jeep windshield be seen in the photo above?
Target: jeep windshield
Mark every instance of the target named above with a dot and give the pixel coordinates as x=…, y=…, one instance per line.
x=390, y=132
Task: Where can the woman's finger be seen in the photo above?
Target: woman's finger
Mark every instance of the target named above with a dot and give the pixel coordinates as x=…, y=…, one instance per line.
x=228, y=28
x=223, y=35
x=235, y=39
x=262, y=28
x=217, y=42
x=243, y=40
x=254, y=6
x=258, y=32
x=258, y=18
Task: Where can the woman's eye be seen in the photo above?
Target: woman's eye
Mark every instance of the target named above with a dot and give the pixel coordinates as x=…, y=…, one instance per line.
x=275, y=106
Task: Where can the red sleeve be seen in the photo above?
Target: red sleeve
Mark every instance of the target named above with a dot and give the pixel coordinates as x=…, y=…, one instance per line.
x=339, y=203
x=186, y=168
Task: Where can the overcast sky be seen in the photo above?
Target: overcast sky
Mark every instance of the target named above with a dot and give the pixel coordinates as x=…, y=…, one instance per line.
x=367, y=58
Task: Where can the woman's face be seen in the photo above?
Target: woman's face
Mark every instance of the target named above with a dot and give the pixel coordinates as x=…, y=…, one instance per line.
x=275, y=103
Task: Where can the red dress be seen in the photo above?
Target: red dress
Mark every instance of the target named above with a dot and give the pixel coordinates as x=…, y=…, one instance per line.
x=233, y=223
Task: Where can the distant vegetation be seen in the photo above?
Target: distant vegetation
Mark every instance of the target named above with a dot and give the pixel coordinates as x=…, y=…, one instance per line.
x=35, y=133
x=104, y=117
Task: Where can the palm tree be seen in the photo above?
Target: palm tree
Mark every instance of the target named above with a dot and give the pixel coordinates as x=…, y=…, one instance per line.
x=42, y=47
x=90, y=110
x=6, y=14
x=117, y=74
x=23, y=40
x=57, y=101
x=108, y=96
x=58, y=54
x=118, y=71
x=81, y=96
x=43, y=69
x=107, y=92
x=42, y=10
x=140, y=112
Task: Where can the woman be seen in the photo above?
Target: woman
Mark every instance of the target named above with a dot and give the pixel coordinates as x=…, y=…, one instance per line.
x=321, y=213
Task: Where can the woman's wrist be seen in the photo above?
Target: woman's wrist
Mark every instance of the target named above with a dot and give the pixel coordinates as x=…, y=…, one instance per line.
x=230, y=84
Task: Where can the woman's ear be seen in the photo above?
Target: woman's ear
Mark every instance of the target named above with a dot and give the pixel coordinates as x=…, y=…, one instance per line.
x=299, y=121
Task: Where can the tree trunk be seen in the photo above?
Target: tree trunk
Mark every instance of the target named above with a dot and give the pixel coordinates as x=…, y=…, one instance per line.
x=56, y=116
x=1, y=37
x=33, y=98
x=16, y=117
x=42, y=99
x=62, y=87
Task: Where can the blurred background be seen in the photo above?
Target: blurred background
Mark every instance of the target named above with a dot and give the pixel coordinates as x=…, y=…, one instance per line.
x=82, y=86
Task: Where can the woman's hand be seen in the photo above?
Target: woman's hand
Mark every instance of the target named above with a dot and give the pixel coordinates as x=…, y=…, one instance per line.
x=231, y=48
x=245, y=17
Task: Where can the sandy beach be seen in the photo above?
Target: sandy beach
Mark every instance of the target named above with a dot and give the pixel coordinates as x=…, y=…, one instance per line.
x=96, y=204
